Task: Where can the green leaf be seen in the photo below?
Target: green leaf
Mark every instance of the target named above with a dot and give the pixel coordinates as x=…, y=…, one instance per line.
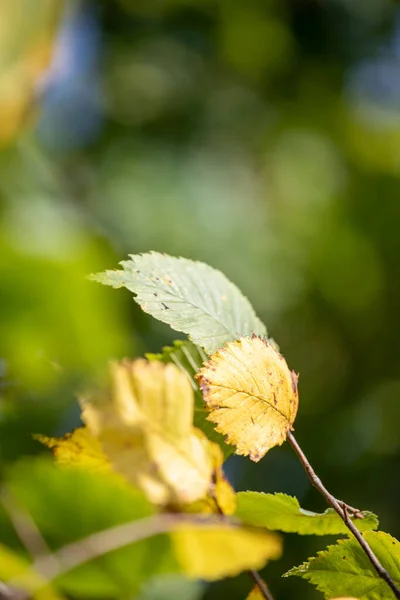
x=132, y=544
x=69, y=504
x=282, y=512
x=189, y=358
x=190, y=296
x=345, y=570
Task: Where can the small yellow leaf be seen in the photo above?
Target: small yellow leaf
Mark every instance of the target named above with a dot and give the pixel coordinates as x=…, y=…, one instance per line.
x=223, y=550
x=78, y=448
x=145, y=429
x=255, y=594
x=252, y=395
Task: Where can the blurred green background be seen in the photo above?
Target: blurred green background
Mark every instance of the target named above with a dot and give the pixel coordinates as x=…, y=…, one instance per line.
x=260, y=136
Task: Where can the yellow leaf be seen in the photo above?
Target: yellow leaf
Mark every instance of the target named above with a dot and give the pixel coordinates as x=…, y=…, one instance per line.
x=221, y=498
x=145, y=429
x=223, y=550
x=255, y=594
x=252, y=395
x=27, y=31
x=79, y=448
x=14, y=568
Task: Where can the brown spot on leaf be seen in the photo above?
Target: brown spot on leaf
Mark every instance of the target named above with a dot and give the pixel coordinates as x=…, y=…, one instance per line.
x=294, y=381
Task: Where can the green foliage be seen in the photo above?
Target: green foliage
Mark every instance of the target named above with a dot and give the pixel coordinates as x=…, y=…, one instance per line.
x=344, y=569
x=190, y=296
x=110, y=539
x=69, y=504
x=282, y=512
x=189, y=358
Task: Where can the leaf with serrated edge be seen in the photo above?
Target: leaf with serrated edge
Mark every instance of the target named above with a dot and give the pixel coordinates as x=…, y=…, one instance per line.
x=145, y=429
x=283, y=513
x=252, y=395
x=223, y=550
x=189, y=358
x=190, y=296
x=345, y=569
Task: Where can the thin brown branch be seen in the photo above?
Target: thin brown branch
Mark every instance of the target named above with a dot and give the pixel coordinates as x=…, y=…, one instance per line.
x=343, y=511
x=262, y=586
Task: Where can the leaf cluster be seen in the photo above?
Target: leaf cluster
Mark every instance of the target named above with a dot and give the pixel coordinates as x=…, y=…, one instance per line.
x=139, y=491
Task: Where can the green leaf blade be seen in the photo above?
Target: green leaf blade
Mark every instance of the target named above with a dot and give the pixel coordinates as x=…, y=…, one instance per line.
x=189, y=358
x=190, y=296
x=344, y=569
x=283, y=513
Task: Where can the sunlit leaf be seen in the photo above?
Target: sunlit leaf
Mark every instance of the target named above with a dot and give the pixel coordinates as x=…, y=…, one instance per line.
x=344, y=569
x=77, y=448
x=282, y=512
x=145, y=429
x=251, y=394
x=189, y=358
x=224, y=550
x=190, y=296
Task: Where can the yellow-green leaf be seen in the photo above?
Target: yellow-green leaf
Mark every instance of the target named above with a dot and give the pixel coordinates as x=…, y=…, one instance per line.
x=69, y=504
x=252, y=395
x=145, y=429
x=79, y=448
x=12, y=566
x=223, y=550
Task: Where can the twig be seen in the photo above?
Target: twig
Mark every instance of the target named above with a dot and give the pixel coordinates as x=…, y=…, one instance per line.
x=255, y=575
x=262, y=586
x=343, y=511
x=95, y=545
x=30, y=537
x=24, y=526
